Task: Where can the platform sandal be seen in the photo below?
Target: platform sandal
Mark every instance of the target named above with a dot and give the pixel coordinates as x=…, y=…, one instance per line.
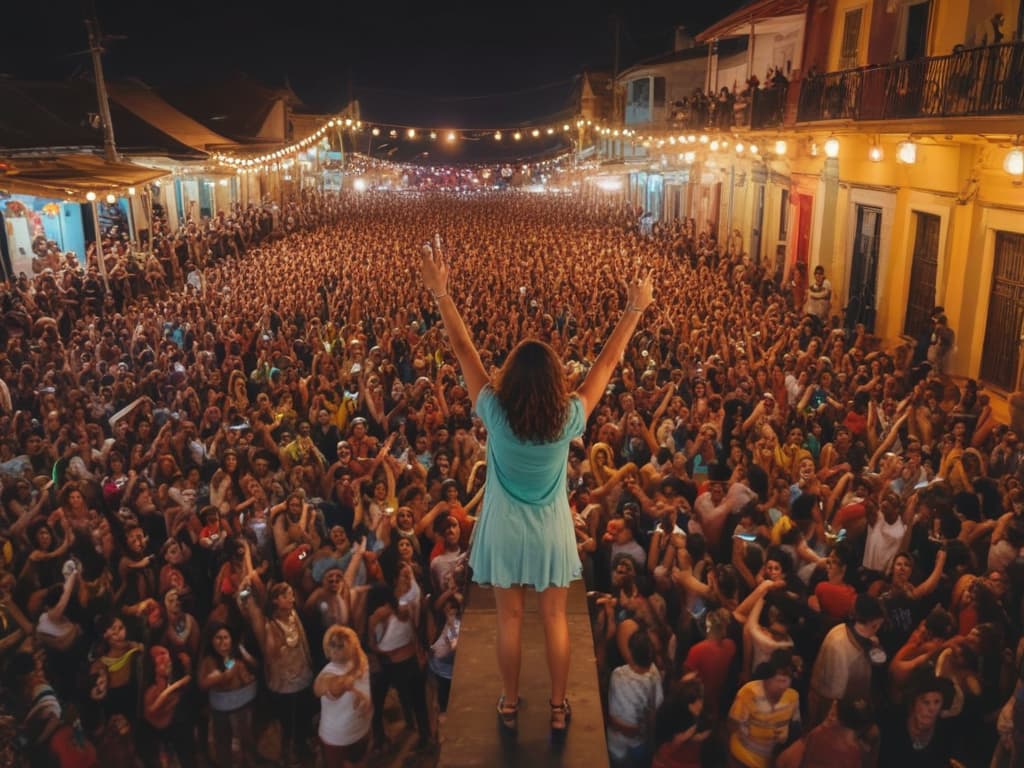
x=508, y=715
x=561, y=714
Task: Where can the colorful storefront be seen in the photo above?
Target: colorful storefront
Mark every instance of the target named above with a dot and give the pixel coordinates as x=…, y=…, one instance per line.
x=27, y=219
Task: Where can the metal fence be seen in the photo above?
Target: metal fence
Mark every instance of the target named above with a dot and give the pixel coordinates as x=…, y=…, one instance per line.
x=976, y=81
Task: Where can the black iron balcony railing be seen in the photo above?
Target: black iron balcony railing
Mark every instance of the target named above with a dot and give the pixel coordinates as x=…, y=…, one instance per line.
x=976, y=81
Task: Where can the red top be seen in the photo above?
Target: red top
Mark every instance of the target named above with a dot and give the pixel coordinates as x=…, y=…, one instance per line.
x=849, y=514
x=836, y=600
x=711, y=660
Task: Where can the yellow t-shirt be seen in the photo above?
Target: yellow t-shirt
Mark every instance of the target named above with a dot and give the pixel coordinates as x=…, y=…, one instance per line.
x=761, y=725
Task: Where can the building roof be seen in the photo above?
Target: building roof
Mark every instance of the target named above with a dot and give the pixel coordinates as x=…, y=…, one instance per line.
x=53, y=116
x=236, y=108
x=738, y=22
x=726, y=47
x=72, y=176
x=600, y=81
x=144, y=102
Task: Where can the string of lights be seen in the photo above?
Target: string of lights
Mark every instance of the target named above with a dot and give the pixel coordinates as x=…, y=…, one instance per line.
x=395, y=131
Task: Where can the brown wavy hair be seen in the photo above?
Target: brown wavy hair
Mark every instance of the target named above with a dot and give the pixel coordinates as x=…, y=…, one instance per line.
x=533, y=392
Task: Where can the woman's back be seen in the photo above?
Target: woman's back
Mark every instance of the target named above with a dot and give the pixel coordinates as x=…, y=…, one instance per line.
x=532, y=473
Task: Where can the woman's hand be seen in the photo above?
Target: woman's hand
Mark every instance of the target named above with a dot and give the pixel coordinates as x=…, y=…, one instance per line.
x=639, y=291
x=433, y=268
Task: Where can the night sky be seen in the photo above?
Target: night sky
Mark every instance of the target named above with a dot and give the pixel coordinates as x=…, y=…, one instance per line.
x=467, y=65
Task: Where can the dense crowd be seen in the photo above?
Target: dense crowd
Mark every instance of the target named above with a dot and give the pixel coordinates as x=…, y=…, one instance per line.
x=239, y=499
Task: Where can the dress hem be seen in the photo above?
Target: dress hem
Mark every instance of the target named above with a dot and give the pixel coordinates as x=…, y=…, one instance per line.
x=510, y=585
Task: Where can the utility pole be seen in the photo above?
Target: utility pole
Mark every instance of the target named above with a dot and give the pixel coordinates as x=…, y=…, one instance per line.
x=618, y=109
x=92, y=24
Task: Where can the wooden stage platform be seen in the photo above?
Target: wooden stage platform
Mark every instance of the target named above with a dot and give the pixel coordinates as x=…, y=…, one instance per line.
x=471, y=735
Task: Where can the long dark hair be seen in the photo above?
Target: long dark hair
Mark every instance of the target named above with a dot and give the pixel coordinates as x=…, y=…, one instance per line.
x=532, y=390
x=211, y=651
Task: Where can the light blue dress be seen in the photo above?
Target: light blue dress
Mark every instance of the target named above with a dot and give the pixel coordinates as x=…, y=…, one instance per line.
x=525, y=534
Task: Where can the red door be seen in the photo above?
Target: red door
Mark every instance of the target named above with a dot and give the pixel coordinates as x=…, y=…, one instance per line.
x=803, y=228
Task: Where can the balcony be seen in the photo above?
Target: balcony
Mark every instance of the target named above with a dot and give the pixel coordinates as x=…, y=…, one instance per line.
x=757, y=109
x=968, y=83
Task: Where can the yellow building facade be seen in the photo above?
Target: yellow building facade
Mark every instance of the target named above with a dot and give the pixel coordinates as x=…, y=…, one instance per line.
x=895, y=167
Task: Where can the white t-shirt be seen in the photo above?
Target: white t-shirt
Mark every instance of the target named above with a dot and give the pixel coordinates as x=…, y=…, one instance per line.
x=632, y=697
x=344, y=721
x=883, y=542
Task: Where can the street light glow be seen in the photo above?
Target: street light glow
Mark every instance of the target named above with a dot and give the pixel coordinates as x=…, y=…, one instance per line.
x=906, y=152
x=1013, y=163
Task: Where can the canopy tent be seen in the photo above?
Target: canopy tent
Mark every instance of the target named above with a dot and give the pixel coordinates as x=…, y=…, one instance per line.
x=71, y=177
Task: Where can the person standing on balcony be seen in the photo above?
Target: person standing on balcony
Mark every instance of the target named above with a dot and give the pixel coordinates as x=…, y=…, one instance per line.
x=819, y=296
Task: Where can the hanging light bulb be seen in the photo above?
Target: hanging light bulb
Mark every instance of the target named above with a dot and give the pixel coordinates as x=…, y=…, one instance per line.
x=90, y=196
x=433, y=134
x=714, y=145
x=131, y=191
x=497, y=135
x=451, y=135
x=111, y=199
x=875, y=153
x=739, y=148
x=906, y=152
x=375, y=131
x=832, y=147
x=753, y=149
x=535, y=133
x=517, y=135
x=411, y=133
x=1013, y=163
x=780, y=148
x=703, y=138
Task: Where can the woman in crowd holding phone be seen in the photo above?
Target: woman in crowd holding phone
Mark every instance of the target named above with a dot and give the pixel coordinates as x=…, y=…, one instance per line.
x=228, y=674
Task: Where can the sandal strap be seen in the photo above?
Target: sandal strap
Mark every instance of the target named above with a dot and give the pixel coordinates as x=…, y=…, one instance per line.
x=509, y=713
x=509, y=708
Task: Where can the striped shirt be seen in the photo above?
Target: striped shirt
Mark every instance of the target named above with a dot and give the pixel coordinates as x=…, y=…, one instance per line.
x=761, y=725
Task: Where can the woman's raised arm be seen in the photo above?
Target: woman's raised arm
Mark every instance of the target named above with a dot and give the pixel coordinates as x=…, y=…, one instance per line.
x=639, y=294
x=434, y=270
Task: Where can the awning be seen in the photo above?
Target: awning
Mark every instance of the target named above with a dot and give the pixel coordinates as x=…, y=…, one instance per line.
x=70, y=177
x=757, y=11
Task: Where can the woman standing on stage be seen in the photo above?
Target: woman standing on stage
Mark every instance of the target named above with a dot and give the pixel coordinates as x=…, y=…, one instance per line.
x=524, y=537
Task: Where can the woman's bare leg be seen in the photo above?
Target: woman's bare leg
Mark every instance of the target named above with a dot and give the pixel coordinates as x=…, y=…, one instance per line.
x=556, y=639
x=510, y=629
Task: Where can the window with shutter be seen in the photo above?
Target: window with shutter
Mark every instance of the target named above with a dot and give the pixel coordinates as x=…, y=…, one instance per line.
x=659, y=91
x=851, y=38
